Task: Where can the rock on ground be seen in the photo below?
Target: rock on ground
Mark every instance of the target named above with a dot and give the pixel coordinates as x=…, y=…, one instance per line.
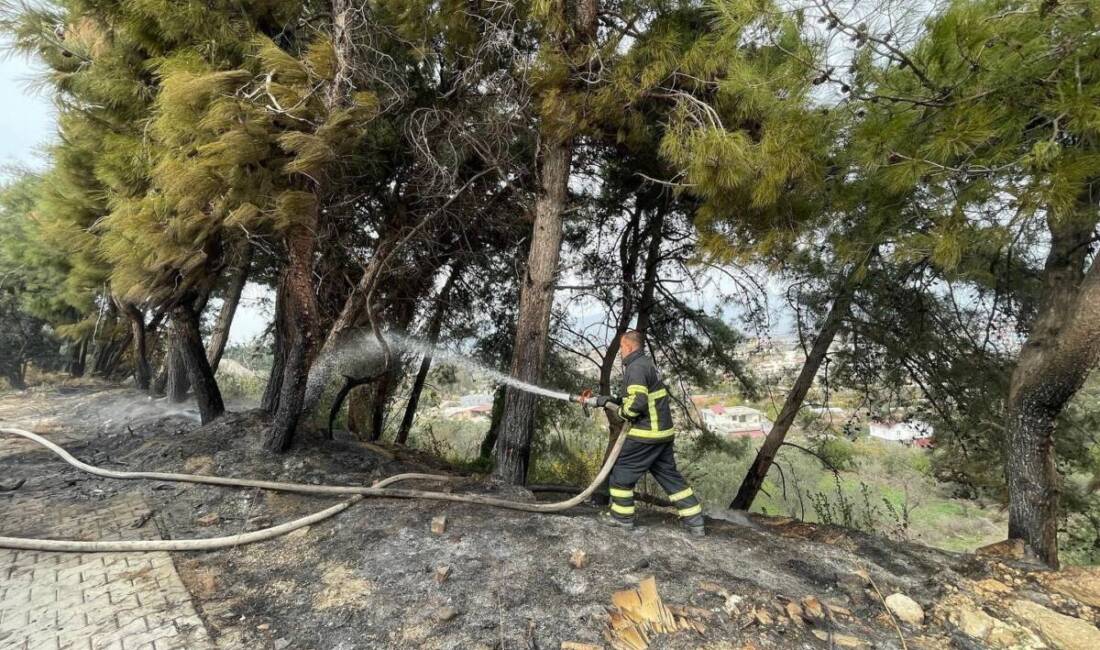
x=371, y=576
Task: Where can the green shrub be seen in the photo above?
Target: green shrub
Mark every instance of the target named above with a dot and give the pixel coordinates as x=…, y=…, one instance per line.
x=837, y=453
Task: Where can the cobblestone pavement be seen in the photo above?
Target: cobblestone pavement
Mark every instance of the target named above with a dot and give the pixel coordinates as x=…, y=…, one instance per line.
x=113, y=601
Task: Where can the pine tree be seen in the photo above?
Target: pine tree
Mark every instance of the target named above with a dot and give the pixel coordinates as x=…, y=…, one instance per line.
x=991, y=116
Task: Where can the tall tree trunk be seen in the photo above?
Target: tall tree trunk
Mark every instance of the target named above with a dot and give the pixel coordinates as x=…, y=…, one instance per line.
x=414, y=400
x=350, y=315
x=219, y=336
x=270, y=400
x=140, y=351
x=403, y=315
x=185, y=322
x=176, y=380
x=117, y=352
x=16, y=376
x=300, y=324
x=573, y=30
x=298, y=329
x=647, y=304
x=513, y=445
x=628, y=263
x=383, y=391
x=758, y=471
x=434, y=326
x=79, y=358
x=488, y=444
x=1061, y=349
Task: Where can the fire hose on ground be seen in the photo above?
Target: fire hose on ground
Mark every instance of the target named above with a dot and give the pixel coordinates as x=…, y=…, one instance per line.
x=378, y=489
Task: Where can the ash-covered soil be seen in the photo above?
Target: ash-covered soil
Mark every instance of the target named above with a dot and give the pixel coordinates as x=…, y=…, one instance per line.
x=377, y=576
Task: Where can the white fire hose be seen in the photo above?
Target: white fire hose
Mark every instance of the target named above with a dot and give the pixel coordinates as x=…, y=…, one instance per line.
x=378, y=489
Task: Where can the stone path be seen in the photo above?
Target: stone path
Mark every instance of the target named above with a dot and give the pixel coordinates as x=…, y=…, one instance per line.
x=112, y=601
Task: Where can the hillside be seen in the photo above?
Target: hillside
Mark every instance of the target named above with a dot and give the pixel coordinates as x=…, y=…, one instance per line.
x=379, y=576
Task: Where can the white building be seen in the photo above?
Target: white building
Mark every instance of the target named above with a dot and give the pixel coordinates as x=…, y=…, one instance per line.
x=909, y=431
x=736, y=421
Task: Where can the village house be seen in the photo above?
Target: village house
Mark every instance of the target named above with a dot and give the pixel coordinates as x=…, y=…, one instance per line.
x=736, y=421
x=909, y=432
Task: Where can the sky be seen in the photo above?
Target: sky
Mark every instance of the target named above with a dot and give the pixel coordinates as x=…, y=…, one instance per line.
x=26, y=116
x=27, y=126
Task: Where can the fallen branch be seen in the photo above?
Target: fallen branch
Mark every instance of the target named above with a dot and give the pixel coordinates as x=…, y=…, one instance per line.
x=15, y=486
x=866, y=575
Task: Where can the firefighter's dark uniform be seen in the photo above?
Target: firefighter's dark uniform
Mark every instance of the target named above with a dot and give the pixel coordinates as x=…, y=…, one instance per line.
x=648, y=448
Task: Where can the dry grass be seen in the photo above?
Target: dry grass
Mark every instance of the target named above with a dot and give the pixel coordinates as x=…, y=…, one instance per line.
x=343, y=587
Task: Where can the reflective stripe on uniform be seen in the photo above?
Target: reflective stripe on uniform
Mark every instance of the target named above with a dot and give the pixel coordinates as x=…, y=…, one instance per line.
x=687, y=512
x=636, y=388
x=622, y=494
x=622, y=510
x=649, y=434
x=658, y=394
x=682, y=494
x=623, y=410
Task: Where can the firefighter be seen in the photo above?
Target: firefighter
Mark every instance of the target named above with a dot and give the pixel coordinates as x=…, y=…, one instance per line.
x=645, y=406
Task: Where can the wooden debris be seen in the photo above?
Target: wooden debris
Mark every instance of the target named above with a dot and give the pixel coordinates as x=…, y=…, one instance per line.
x=574, y=645
x=794, y=611
x=761, y=616
x=637, y=614
x=687, y=611
x=439, y=525
x=836, y=609
x=1009, y=549
x=209, y=519
x=578, y=559
x=840, y=640
x=713, y=588
x=813, y=609
x=442, y=573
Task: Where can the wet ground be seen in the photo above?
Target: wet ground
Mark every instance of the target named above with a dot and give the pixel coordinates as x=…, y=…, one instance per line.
x=377, y=576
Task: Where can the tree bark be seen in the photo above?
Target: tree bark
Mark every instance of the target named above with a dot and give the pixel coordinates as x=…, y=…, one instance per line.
x=140, y=351
x=270, y=401
x=1062, y=347
x=78, y=361
x=296, y=285
x=350, y=314
x=383, y=391
x=758, y=471
x=16, y=378
x=434, y=326
x=573, y=30
x=490, y=441
x=116, y=351
x=647, y=303
x=628, y=263
x=185, y=322
x=513, y=445
x=177, y=382
x=298, y=328
x=219, y=336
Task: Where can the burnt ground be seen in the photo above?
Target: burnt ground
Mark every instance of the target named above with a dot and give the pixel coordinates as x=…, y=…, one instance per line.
x=368, y=578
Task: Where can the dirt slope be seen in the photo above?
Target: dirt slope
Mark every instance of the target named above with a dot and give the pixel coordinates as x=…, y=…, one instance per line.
x=378, y=576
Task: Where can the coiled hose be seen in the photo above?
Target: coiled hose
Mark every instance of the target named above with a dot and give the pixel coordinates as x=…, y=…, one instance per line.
x=378, y=489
